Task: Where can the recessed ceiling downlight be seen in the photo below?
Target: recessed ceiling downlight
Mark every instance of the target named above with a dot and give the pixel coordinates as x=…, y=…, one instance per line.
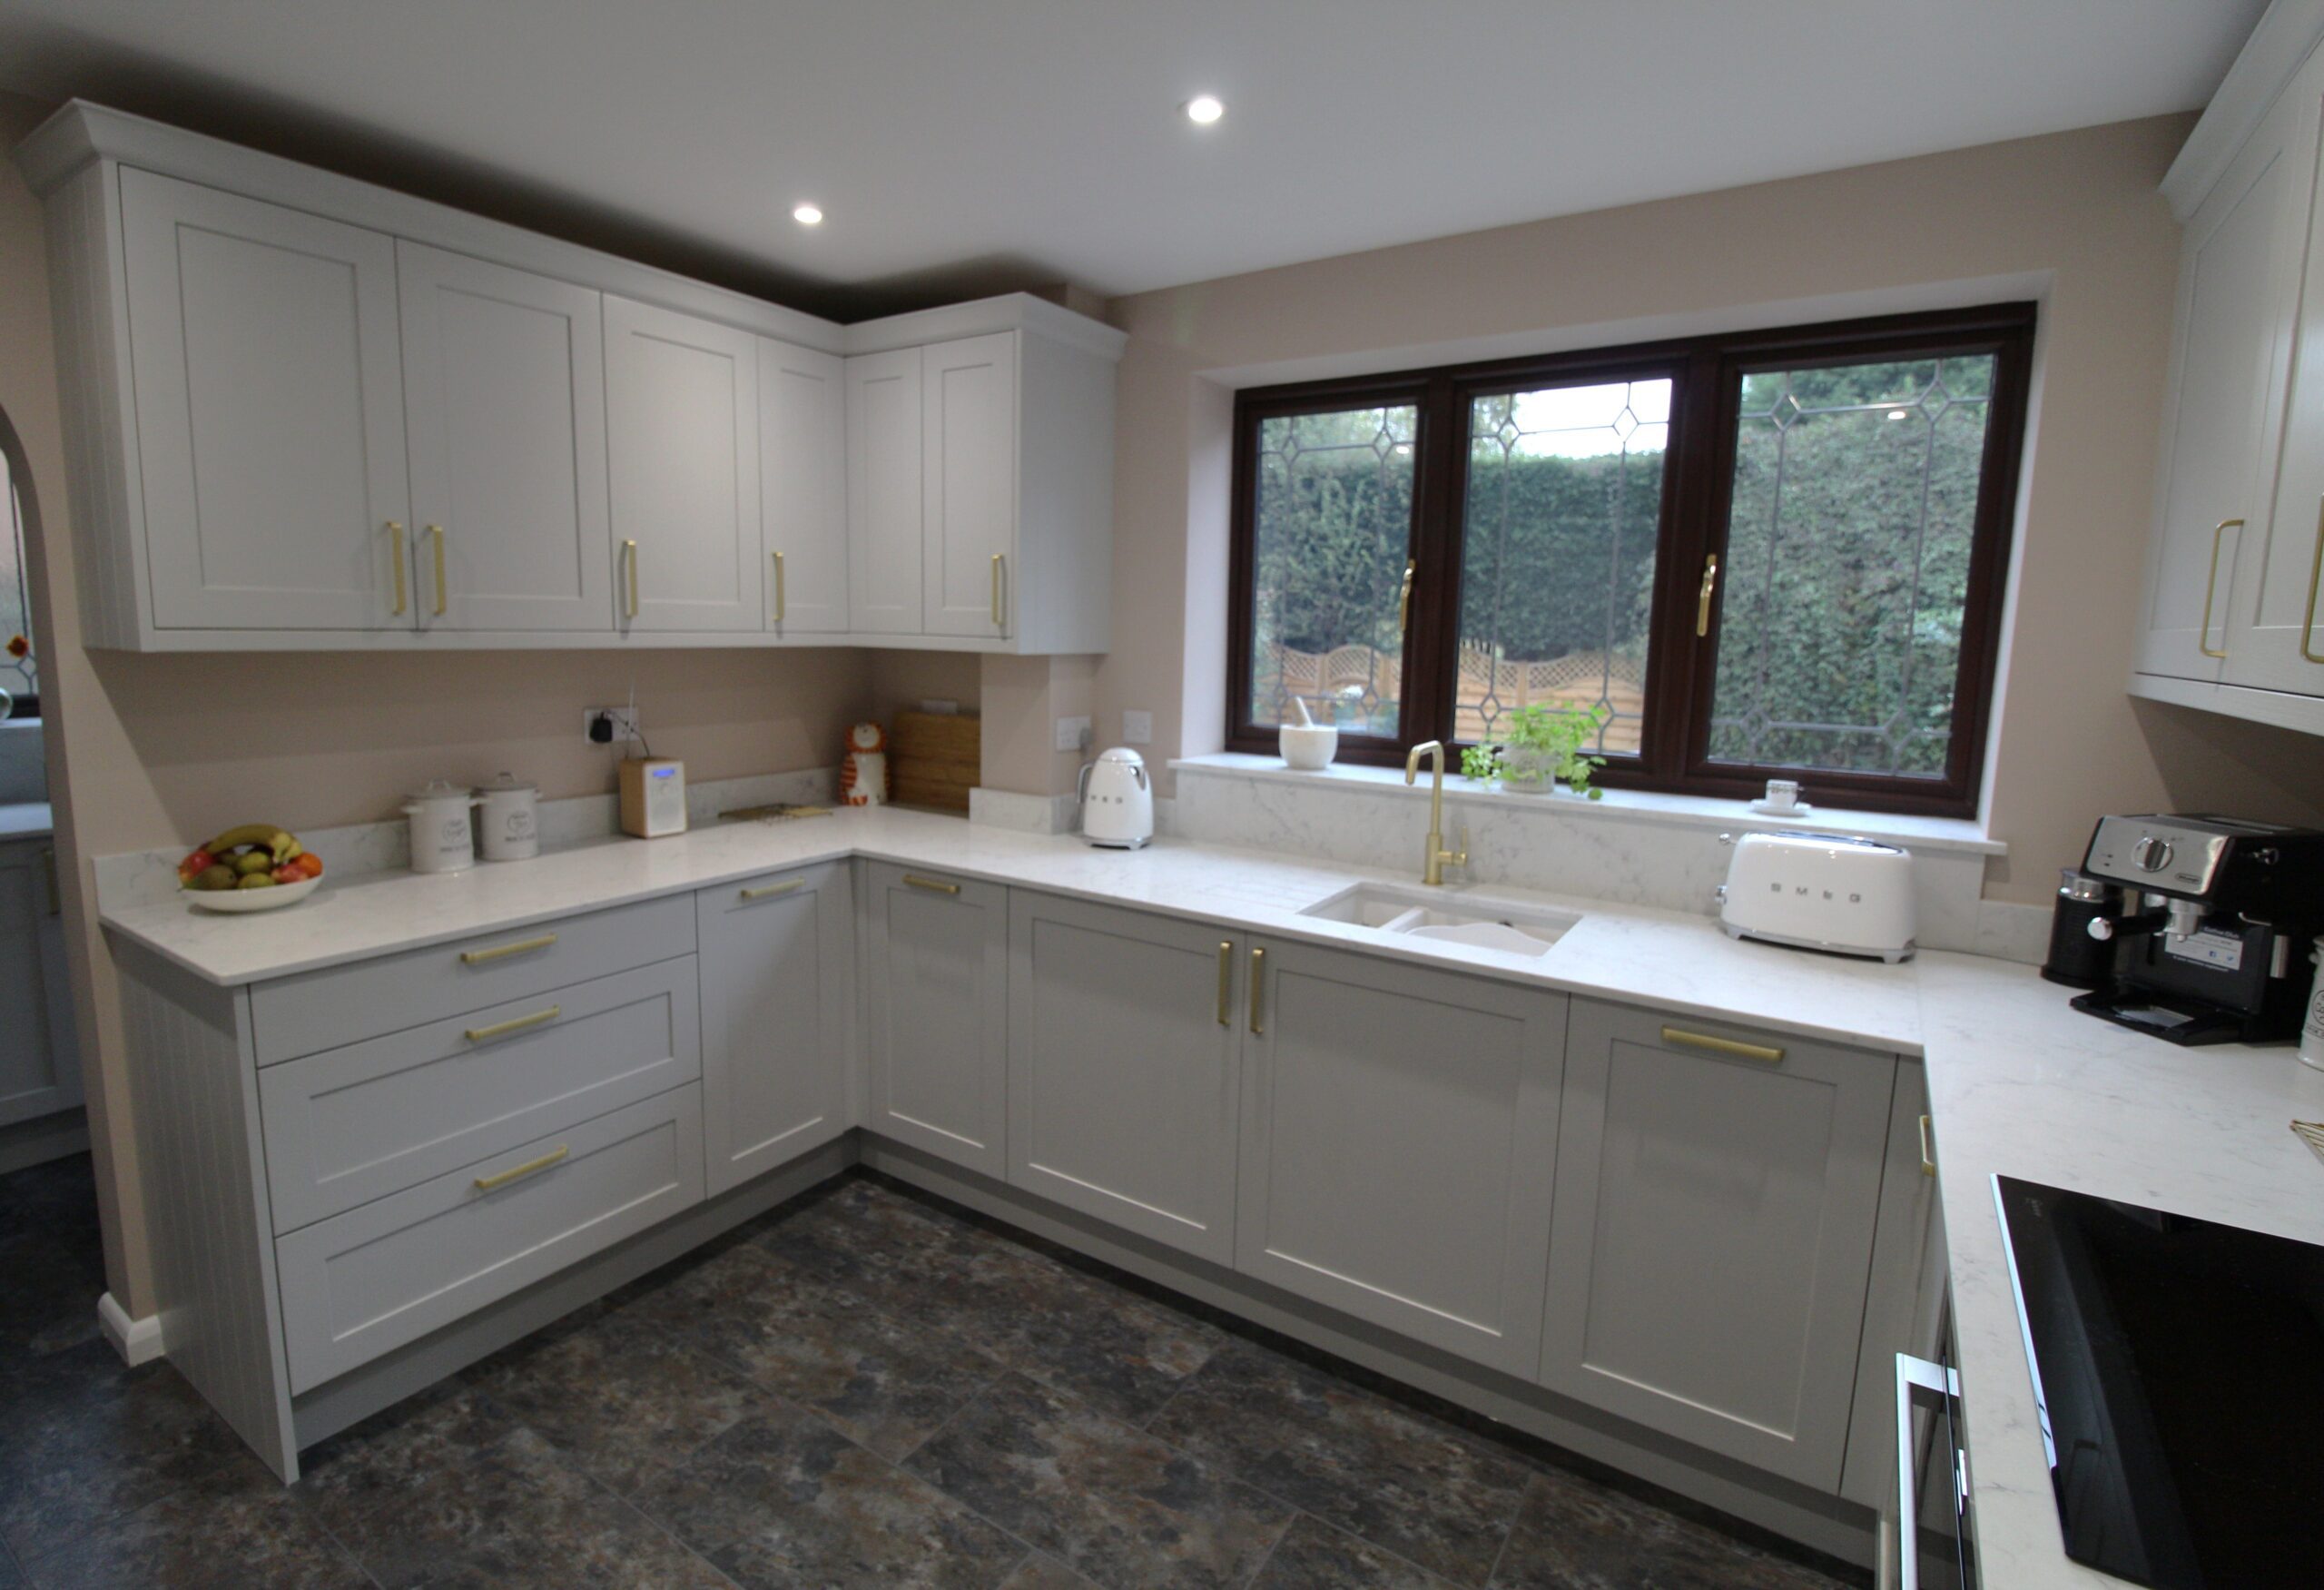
x=1204, y=109
x=807, y=215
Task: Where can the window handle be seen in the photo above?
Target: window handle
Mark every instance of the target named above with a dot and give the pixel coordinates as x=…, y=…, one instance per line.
x=1404, y=601
x=2211, y=582
x=1702, y=602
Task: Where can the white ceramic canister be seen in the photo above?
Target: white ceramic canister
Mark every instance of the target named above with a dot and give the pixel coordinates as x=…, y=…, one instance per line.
x=443, y=838
x=2311, y=1031
x=507, y=824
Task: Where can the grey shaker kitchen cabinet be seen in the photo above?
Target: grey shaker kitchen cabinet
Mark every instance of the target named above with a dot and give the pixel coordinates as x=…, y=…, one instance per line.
x=1717, y=1193
x=1400, y=1131
x=1125, y=1043
x=777, y=955
x=936, y=1012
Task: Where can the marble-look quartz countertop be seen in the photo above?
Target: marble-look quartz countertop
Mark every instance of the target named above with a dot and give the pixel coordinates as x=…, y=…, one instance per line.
x=2019, y=1083
x=25, y=819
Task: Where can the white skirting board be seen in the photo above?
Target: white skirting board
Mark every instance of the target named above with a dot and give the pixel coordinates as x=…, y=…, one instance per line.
x=138, y=1341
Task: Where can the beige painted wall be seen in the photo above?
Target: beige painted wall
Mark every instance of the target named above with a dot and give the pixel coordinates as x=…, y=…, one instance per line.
x=2073, y=217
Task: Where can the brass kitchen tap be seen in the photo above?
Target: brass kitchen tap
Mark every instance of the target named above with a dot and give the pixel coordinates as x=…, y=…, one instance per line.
x=1433, y=868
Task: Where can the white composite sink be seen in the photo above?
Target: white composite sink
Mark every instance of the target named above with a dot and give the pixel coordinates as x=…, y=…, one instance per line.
x=1451, y=919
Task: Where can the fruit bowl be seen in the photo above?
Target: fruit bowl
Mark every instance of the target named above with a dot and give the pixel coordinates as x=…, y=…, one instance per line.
x=233, y=901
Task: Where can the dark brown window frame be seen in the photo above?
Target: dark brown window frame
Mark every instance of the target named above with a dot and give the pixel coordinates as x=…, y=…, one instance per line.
x=1697, y=490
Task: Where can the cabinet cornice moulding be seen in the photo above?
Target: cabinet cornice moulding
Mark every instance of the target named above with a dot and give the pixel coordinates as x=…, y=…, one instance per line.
x=2279, y=47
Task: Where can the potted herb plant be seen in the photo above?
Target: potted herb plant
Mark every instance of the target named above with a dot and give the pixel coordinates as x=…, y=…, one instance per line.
x=1542, y=748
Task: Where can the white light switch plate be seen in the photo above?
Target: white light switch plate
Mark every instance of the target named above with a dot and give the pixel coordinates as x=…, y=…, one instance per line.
x=1072, y=734
x=1138, y=728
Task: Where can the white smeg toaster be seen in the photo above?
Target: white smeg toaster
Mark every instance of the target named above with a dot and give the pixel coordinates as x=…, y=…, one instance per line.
x=1821, y=892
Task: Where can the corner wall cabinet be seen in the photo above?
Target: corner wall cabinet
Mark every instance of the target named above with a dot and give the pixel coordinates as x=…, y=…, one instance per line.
x=306, y=414
x=2231, y=616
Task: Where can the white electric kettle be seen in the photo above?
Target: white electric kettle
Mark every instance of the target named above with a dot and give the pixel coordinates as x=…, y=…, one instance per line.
x=1117, y=801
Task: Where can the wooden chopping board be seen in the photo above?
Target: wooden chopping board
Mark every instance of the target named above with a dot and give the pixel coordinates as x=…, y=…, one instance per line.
x=935, y=759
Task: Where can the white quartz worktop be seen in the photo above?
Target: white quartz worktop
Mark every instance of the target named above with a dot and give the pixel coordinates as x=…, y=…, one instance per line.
x=25, y=819
x=2019, y=1083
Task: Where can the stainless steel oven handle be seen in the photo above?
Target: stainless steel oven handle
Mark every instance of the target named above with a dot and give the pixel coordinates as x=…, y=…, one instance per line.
x=1911, y=1373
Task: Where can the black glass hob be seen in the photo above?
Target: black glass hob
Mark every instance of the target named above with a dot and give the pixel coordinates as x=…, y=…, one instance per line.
x=2179, y=1368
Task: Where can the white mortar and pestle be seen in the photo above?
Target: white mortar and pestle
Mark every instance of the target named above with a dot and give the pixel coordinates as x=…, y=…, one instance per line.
x=1308, y=746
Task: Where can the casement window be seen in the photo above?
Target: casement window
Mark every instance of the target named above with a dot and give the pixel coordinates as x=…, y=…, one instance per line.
x=1771, y=553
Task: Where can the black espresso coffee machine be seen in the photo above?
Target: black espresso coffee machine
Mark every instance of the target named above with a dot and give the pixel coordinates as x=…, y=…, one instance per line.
x=2218, y=916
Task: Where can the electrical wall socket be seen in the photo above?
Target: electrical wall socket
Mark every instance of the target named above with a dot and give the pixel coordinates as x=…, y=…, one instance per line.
x=1073, y=733
x=624, y=721
x=1138, y=728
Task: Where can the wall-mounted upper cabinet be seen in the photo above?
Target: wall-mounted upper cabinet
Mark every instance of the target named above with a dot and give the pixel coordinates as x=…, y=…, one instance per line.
x=307, y=414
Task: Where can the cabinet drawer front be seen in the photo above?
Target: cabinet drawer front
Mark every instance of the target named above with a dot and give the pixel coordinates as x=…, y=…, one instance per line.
x=1713, y=1234
x=370, y=1280
x=357, y=1123
x=344, y=1004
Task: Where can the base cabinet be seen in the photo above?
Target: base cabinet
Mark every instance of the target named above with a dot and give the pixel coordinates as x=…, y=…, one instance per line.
x=1400, y=1127
x=1125, y=1043
x=936, y=1013
x=40, y=1063
x=777, y=955
x=1717, y=1194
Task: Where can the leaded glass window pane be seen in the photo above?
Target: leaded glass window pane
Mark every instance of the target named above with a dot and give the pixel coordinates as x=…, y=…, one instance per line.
x=1564, y=504
x=1847, y=571
x=1332, y=538
x=19, y=675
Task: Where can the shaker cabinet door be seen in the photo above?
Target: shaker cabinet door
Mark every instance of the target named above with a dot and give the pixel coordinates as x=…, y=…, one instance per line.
x=803, y=468
x=883, y=492
x=505, y=412
x=682, y=440
x=269, y=413
x=1717, y=1192
x=937, y=1012
x=969, y=485
x=40, y=1064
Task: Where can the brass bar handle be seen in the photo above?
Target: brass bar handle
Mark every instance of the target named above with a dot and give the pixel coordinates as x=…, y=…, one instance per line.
x=1225, y=983
x=437, y=532
x=999, y=622
x=769, y=891
x=779, y=603
x=2315, y=570
x=56, y=891
x=1928, y=1153
x=629, y=554
x=1680, y=1036
x=1405, y=600
x=517, y=1173
x=1702, y=601
x=2211, y=583
x=1258, y=980
x=403, y=591
x=502, y=1029
x=502, y=952
x=934, y=886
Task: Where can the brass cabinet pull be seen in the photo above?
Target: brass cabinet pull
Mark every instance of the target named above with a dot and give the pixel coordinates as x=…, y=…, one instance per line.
x=1258, y=977
x=1683, y=1039
x=403, y=592
x=1225, y=982
x=503, y=1177
x=629, y=554
x=48, y=871
x=1928, y=1154
x=1404, y=599
x=934, y=886
x=437, y=532
x=1702, y=601
x=778, y=587
x=768, y=891
x=997, y=621
x=501, y=951
x=2203, y=636
x=502, y=1029
x=2315, y=570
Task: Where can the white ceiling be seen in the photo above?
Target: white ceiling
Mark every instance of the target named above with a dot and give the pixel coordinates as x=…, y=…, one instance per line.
x=981, y=143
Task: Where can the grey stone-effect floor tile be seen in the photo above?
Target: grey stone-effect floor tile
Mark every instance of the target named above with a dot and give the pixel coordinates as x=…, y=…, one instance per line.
x=1108, y=1500
x=622, y=1397
x=1426, y=1492
x=224, y=1533
x=1573, y=1535
x=459, y=1493
x=784, y=1499
x=83, y=1440
x=984, y=1292
x=49, y=1301
x=884, y=1383
x=1044, y=1572
x=1315, y=1556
